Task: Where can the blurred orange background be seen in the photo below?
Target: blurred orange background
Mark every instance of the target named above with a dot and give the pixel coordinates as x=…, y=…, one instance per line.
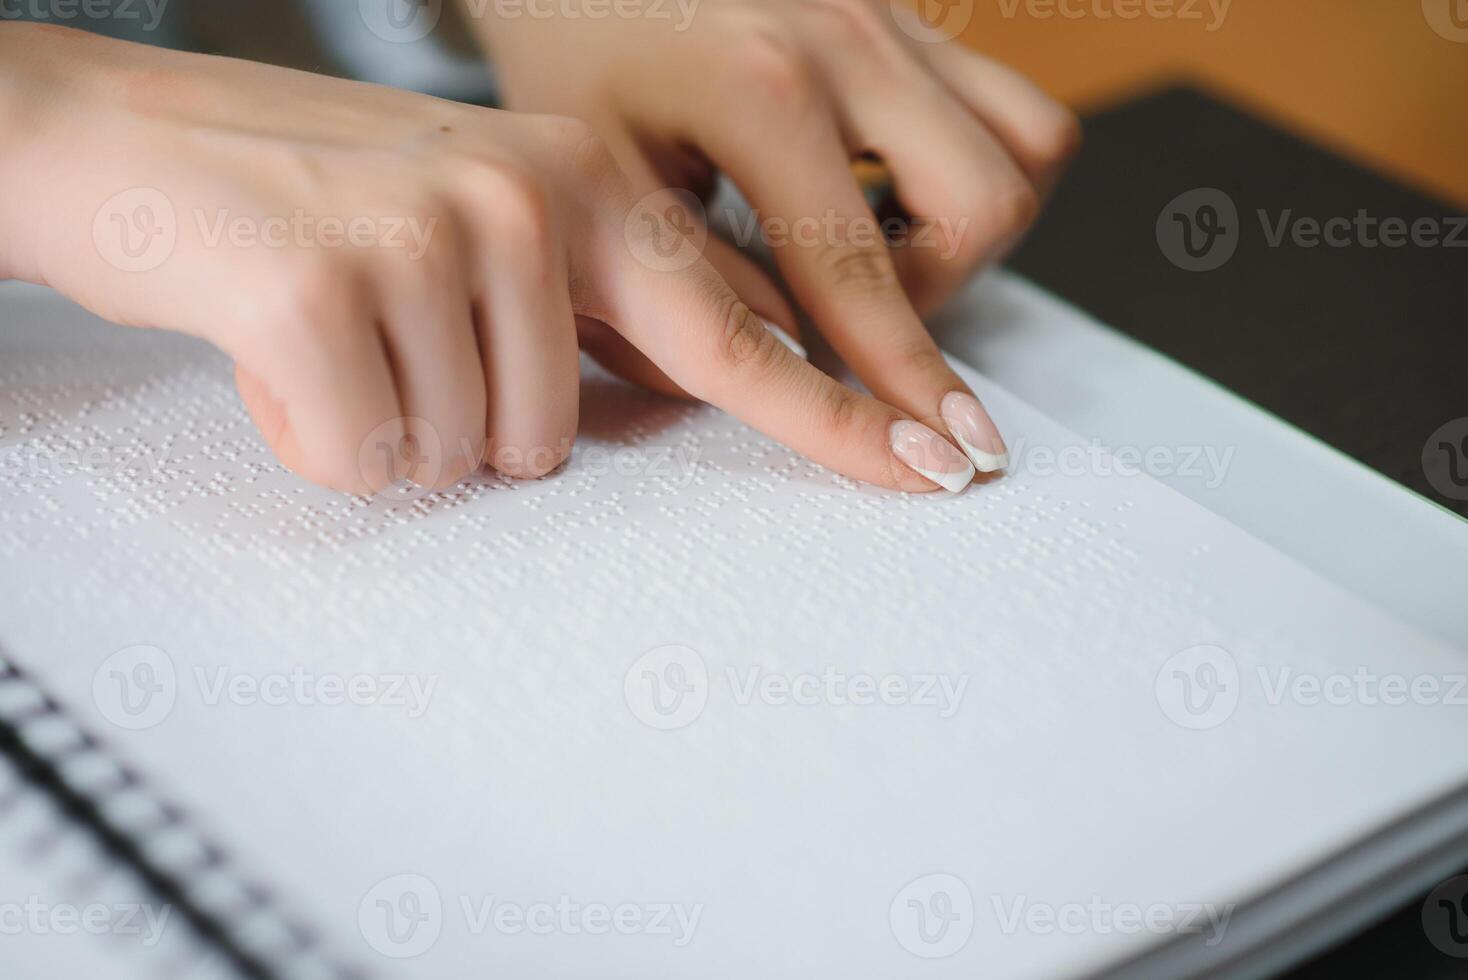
x=1383, y=81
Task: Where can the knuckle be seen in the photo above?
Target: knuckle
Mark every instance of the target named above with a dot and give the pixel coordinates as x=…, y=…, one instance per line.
x=314, y=290
x=742, y=343
x=954, y=241
x=864, y=271
x=843, y=411
x=744, y=339
x=850, y=420
x=924, y=359
x=512, y=200
x=854, y=24
x=771, y=66
x=1056, y=138
x=1012, y=209
x=439, y=252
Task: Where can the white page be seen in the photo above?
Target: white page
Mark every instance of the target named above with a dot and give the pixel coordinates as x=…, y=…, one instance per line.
x=1060, y=782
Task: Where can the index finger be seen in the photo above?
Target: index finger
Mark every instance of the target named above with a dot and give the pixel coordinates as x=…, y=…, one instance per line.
x=836, y=259
x=691, y=324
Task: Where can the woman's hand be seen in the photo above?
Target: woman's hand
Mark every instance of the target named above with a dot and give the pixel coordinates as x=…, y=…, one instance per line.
x=783, y=95
x=399, y=279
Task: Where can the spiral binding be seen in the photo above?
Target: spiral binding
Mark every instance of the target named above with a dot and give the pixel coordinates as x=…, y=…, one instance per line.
x=88, y=784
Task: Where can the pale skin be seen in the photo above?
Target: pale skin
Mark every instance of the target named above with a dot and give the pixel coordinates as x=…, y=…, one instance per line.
x=472, y=331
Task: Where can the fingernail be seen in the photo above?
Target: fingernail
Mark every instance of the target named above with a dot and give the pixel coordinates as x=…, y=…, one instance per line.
x=785, y=339
x=930, y=455
x=975, y=431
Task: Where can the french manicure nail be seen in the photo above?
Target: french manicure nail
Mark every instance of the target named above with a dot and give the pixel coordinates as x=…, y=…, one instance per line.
x=975, y=431
x=785, y=339
x=930, y=455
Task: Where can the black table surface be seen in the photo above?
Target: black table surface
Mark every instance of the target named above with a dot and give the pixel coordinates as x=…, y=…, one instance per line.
x=1354, y=329
x=1185, y=223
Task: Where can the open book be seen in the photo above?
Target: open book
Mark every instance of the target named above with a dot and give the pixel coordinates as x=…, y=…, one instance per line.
x=690, y=707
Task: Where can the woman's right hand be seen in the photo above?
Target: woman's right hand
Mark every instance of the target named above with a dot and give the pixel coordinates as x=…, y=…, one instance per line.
x=388, y=269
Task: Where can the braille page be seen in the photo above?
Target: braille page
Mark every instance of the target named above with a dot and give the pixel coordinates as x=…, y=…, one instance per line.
x=693, y=706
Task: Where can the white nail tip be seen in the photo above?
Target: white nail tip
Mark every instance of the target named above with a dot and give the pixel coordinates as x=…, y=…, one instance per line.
x=786, y=339
x=953, y=482
x=984, y=462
